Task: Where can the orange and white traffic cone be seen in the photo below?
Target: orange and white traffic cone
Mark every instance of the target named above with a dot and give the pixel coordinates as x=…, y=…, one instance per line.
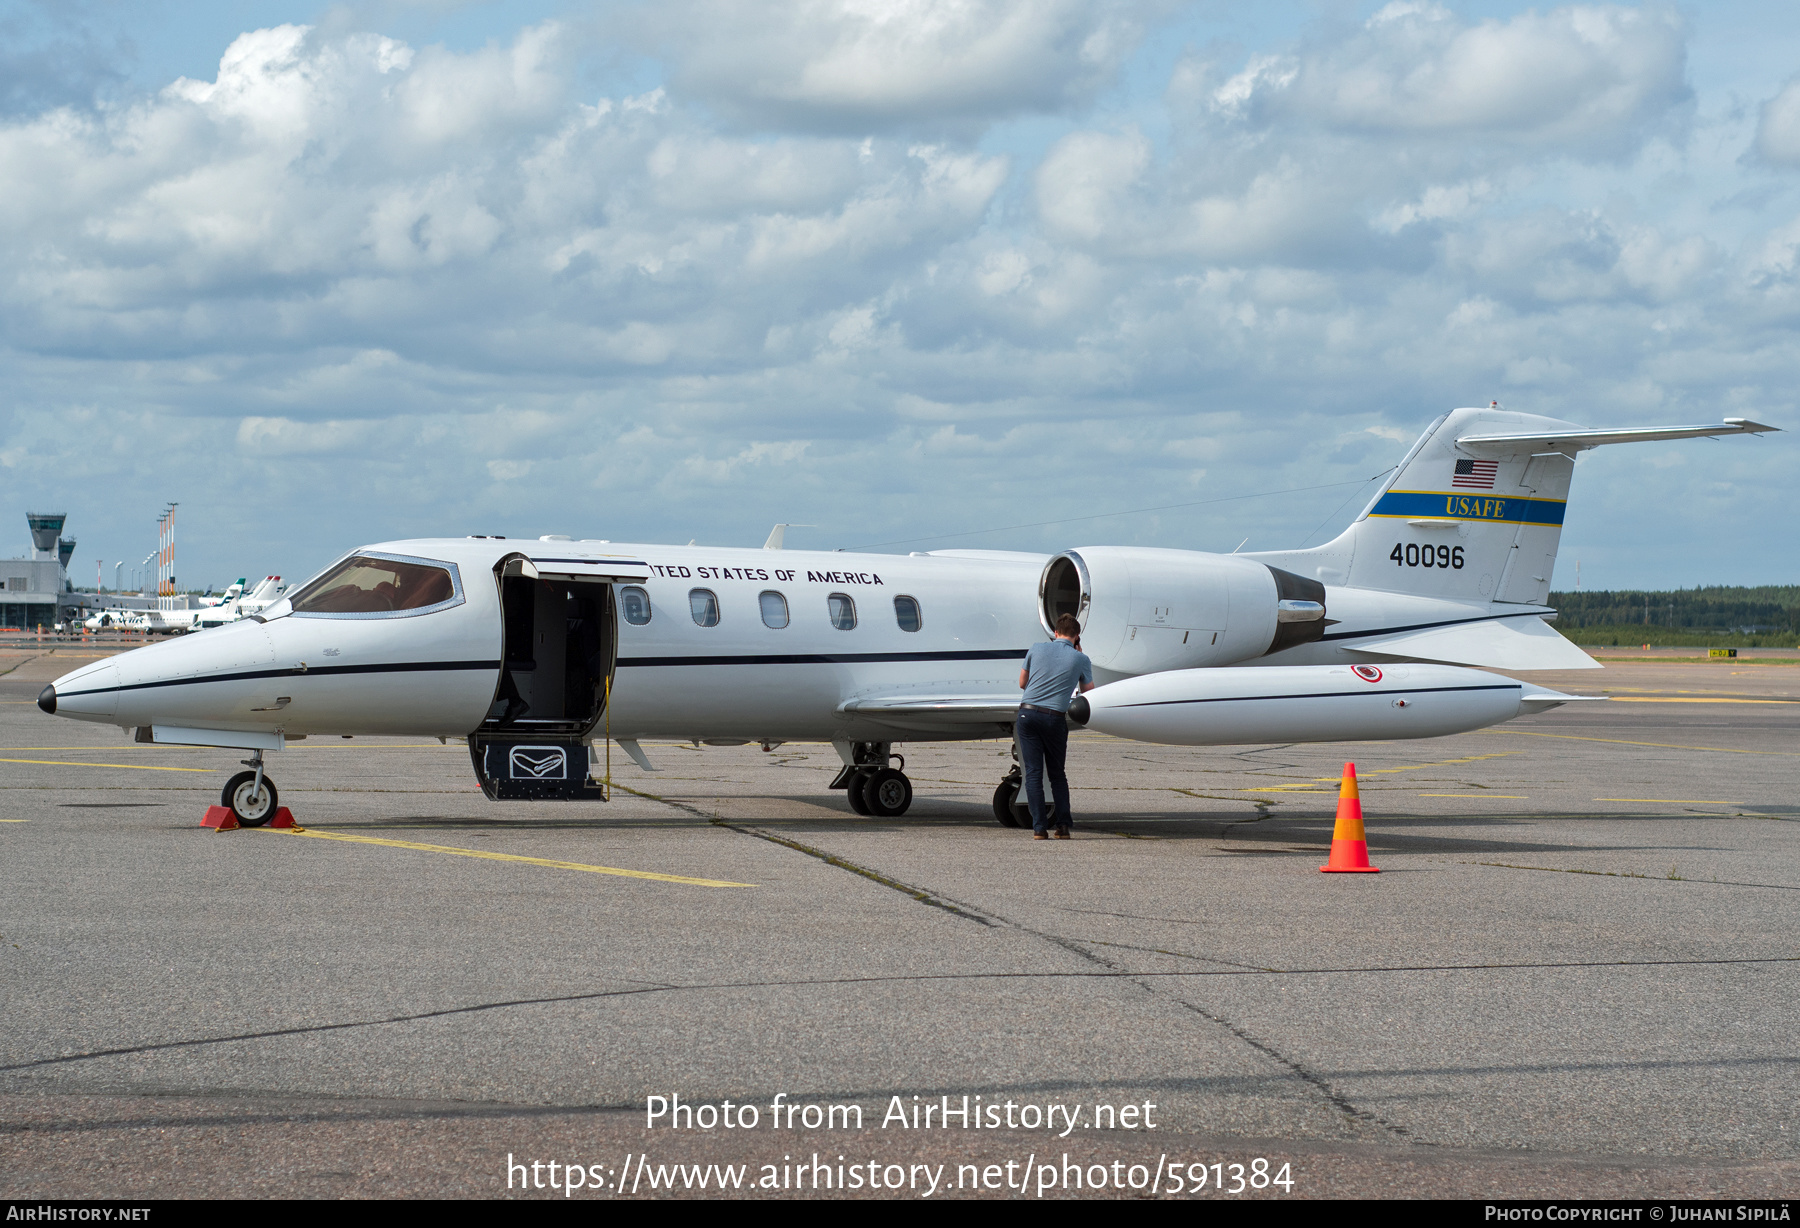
x=1349, y=848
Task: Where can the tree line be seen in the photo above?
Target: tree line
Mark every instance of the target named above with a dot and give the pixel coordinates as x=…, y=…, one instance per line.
x=1759, y=616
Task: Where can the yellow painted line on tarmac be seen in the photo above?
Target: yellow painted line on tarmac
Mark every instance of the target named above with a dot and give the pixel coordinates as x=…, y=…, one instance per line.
x=1570, y=737
x=15, y=820
x=1509, y=797
x=178, y=746
x=547, y=862
x=1657, y=699
x=1308, y=785
x=138, y=746
x=1670, y=801
x=129, y=767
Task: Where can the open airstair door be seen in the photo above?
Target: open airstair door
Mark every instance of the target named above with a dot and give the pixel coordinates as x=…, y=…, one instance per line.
x=559, y=649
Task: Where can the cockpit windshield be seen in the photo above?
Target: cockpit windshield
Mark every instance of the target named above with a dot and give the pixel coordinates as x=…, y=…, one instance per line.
x=371, y=586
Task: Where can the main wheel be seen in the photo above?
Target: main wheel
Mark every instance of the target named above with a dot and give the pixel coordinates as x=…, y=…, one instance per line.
x=252, y=808
x=1004, y=793
x=854, y=792
x=887, y=794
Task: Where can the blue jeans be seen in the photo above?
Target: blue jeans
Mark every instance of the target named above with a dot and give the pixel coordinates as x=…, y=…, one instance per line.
x=1043, y=745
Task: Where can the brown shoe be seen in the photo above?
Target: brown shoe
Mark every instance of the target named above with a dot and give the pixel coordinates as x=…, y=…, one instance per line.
x=1062, y=833
x=1040, y=835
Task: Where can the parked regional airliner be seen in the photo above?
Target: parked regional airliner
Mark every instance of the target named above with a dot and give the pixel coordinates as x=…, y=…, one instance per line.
x=533, y=650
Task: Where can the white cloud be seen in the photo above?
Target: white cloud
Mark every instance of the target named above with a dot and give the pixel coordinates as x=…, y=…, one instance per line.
x=1580, y=77
x=1778, y=127
x=1439, y=202
x=861, y=64
x=265, y=437
x=1084, y=182
x=416, y=290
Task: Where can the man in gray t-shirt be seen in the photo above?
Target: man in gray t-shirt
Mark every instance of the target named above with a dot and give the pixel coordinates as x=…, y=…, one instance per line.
x=1053, y=672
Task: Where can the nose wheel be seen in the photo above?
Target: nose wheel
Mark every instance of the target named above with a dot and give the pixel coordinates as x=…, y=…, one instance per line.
x=250, y=796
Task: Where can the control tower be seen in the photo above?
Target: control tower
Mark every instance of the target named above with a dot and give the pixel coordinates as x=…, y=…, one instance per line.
x=33, y=588
x=46, y=527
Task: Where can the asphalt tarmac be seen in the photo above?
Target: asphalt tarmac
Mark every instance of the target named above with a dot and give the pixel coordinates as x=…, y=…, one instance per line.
x=1576, y=974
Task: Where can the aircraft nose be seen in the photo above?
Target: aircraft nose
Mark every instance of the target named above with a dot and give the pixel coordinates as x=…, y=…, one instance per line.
x=47, y=699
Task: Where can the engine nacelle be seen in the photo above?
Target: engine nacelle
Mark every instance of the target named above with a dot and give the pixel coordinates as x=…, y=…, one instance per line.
x=1144, y=610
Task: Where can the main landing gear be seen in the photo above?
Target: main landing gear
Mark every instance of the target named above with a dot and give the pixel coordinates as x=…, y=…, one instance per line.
x=874, y=789
x=1010, y=806
x=250, y=796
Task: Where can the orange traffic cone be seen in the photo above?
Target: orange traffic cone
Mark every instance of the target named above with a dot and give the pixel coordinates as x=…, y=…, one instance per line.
x=1349, y=849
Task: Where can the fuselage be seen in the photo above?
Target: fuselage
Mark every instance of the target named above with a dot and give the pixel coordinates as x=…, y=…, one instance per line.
x=725, y=675
x=701, y=642
x=971, y=621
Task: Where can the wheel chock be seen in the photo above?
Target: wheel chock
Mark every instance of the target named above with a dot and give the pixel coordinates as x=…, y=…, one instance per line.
x=284, y=820
x=220, y=818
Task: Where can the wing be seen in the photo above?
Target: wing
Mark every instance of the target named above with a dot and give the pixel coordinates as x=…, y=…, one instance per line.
x=948, y=713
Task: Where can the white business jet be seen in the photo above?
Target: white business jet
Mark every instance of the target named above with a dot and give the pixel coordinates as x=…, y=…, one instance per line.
x=533, y=651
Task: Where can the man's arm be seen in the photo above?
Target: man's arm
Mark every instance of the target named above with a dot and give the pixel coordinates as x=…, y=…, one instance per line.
x=1024, y=678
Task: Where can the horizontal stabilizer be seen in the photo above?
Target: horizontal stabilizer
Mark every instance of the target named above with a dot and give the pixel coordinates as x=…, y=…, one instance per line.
x=1574, y=441
x=1518, y=642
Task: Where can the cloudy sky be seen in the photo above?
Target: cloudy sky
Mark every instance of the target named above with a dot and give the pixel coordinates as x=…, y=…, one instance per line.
x=899, y=269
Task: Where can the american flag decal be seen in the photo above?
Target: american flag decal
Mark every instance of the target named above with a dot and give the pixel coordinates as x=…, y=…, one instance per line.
x=1478, y=474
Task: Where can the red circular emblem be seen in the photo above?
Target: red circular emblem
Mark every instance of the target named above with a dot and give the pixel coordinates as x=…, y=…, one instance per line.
x=1368, y=673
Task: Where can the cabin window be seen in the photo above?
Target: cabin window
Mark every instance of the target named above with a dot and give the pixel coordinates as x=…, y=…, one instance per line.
x=381, y=586
x=634, y=604
x=774, y=609
x=704, y=604
x=906, y=613
x=843, y=611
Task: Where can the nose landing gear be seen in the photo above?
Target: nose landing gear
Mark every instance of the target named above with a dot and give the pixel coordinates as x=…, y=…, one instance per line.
x=250, y=796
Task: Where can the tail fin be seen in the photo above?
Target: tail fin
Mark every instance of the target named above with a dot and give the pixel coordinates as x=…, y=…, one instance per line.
x=266, y=590
x=1474, y=511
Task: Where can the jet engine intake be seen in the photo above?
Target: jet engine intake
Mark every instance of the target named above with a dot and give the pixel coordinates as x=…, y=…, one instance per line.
x=1144, y=610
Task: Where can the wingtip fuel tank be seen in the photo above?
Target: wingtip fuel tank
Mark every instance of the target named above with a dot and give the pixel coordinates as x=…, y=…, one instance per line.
x=1261, y=704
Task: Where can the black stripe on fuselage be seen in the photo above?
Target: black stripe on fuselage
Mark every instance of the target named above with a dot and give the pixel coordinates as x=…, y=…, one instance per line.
x=403, y=667
x=831, y=658
x=1233, y=699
